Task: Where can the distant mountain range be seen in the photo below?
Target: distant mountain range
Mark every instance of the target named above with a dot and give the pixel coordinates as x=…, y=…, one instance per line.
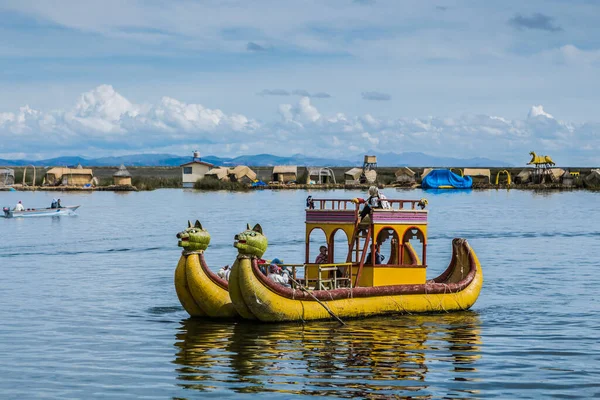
x=169, y=160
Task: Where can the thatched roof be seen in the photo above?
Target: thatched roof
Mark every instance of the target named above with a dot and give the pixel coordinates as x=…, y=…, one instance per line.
x=219, y=172
x=593, y=178
x=404, y=171
x=285, y=169
x=371, y=175
x=59, y=172
x=557, y=172
x=477, y=172
x=240, y=171
x=122, y=172
x=524, y=174
x=425, y=172
x=354, y=172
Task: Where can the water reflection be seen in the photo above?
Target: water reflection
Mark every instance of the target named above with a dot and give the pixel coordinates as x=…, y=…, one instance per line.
x=374, y=358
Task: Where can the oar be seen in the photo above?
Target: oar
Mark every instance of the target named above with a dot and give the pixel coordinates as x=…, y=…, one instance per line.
x=298, y=284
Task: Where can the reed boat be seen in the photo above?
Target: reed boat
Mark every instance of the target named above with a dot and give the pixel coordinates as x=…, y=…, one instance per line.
x=201, y=292
x=363, y=286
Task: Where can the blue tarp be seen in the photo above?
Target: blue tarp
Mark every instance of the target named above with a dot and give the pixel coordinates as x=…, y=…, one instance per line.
x=258, y=183
x=445, y=177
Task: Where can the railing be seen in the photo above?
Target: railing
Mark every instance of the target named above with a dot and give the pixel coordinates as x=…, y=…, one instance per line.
x=341, y=204
x=335, y=204
x=332, y=281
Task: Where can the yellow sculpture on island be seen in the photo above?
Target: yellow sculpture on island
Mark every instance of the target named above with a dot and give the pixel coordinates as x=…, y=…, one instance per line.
x=360, y=287
x=540, y=160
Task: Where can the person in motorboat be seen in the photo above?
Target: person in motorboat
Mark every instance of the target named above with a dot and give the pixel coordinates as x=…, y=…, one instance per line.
x=54, y=204
x=58, y=205
x=19, y=206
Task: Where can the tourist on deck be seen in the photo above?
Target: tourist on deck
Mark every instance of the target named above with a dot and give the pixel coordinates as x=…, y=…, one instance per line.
x=275, y=275
x=310, y=203
x=19, y=206
x=224, y=273
x=372, y=201
x=322, y=257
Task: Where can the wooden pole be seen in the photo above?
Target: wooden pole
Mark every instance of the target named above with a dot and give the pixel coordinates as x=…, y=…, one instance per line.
x=298, y=284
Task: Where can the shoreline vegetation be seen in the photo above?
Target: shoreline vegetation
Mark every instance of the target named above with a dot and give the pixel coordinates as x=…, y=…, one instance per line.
x=151, y=178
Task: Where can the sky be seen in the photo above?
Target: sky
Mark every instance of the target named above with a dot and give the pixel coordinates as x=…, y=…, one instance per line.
x=325, y=78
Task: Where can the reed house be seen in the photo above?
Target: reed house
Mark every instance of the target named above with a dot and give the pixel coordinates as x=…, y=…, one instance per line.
x=122, y=177
x=285, y=173
x=69, y=176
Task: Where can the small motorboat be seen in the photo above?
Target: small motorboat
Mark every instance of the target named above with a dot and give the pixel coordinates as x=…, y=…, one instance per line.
x=40, y=212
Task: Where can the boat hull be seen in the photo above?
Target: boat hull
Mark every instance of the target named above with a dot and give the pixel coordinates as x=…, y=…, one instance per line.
x=456, y=289
x=235, y=292
x=183, y=290
x=209, y=292
x=41, y=212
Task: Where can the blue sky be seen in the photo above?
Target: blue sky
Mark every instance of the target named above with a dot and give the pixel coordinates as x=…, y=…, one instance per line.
x=460, y=78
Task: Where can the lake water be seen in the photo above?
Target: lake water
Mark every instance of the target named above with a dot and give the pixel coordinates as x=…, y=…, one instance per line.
x=88, y=307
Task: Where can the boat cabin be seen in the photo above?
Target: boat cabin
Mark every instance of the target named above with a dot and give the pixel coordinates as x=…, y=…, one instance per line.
x=387, y=247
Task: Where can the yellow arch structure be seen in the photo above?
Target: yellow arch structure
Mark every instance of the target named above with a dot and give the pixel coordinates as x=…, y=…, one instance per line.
x=507, y=176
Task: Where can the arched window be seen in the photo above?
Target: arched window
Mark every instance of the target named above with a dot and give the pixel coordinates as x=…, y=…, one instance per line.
x=387, y=246
x=316, y=239
x=416, y=238
x=338, y=248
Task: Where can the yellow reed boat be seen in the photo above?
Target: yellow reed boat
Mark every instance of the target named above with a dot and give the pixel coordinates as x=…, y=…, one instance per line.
x=201, y=292
x=362, y=286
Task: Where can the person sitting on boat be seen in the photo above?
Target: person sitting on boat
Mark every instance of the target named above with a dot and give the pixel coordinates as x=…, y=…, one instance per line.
x=54, y=204
x=58, y=205
x=287, y=275
x=310, y=203
x=19, y=206
x=224, y=273
x=322, y=257
x=276, y=276
x=378, y=258
x=373, y=201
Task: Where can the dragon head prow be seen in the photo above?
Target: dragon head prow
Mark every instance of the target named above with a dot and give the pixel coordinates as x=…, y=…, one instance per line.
x=194, y=238
x=251, y=242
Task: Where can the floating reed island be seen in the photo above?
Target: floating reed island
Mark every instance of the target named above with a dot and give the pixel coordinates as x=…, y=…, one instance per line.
x=541, y=174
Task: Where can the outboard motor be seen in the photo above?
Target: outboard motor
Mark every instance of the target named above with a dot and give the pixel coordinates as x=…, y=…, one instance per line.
x=6, y=211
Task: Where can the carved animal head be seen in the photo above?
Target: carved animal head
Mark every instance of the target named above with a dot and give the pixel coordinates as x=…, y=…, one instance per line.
x=251, y=242
x=194, y=238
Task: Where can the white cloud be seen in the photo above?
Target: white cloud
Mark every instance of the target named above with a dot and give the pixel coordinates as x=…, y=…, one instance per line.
x=537, y=111
x=103, y=122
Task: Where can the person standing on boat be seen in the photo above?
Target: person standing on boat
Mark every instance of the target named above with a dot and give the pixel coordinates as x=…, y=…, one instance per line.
x=19, y=206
